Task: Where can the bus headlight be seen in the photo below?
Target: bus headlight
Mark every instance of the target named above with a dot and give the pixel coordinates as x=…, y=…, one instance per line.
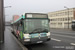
x=48, y=34
x=26, y=36
x=26, y=39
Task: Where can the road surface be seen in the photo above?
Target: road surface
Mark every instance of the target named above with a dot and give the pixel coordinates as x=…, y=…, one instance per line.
x=61, y=39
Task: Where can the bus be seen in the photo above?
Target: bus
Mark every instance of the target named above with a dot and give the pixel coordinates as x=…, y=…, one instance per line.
x=32, y=28
x=73, y=25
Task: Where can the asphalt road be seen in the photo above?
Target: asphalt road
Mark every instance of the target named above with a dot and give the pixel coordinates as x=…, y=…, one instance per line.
x=61, y=39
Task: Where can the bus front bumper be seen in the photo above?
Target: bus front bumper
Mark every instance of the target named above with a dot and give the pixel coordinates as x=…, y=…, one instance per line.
x=37, y=40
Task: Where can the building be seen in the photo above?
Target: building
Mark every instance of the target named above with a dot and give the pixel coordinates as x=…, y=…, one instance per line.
x=62, y=18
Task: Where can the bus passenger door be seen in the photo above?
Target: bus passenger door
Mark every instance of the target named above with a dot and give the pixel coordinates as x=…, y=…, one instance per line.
x=20, y=30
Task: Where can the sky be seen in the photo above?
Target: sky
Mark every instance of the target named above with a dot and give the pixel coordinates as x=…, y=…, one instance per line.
x=26, y=6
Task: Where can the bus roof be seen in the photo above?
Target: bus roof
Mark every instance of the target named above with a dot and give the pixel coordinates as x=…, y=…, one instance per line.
x=23, y=16
x=17, y=20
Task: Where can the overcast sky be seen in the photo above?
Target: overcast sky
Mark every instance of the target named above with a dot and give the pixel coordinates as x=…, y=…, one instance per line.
x=21, y=6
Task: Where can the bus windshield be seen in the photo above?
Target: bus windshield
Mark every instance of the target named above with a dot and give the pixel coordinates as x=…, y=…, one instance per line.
x=36, y=25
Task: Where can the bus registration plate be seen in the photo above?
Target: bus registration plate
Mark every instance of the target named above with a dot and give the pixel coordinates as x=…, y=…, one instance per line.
x=39, y=41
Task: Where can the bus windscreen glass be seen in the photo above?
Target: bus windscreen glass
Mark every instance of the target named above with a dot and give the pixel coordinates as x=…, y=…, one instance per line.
x=35, y=24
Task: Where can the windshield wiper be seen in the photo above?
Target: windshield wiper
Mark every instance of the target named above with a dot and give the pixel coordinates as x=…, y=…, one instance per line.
x=38, y=30
x=45, y=30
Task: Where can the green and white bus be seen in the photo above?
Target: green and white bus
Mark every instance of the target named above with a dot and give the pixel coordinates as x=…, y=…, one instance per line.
x=32, y=28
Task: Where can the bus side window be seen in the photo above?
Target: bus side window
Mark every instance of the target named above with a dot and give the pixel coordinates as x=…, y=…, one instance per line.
x=17, y=26
x=20, y=26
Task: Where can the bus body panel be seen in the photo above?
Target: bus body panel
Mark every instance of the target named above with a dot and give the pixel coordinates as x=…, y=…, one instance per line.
x=29, y=38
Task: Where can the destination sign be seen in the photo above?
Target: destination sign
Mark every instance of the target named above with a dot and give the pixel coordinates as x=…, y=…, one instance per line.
x=35, y=15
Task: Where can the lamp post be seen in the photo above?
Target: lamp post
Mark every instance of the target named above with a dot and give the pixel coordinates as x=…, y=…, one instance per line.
x=1, y=22
x=68, y=15
x=7, y=7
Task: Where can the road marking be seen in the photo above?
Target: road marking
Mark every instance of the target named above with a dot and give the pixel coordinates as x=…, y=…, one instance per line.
x=55, y=39
x=72, y=43
x=63, y=35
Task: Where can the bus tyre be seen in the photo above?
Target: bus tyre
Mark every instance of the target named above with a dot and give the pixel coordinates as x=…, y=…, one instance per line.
x=11, y=32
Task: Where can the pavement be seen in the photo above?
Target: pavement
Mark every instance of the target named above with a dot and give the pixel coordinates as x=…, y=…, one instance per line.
x=61, y=39
x=10, y=43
